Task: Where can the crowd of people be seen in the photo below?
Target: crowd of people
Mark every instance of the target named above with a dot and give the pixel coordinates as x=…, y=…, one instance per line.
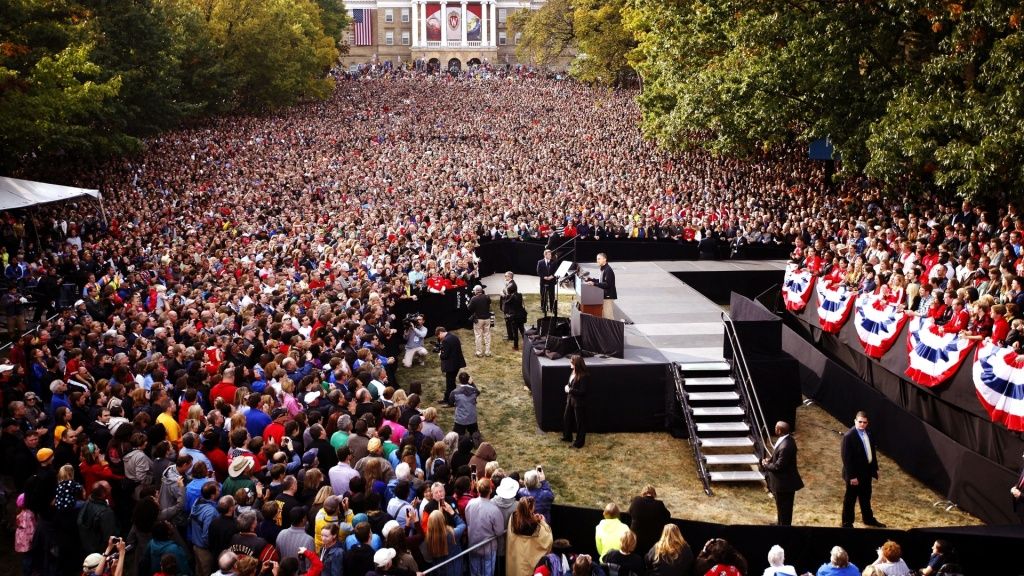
x=226, y=372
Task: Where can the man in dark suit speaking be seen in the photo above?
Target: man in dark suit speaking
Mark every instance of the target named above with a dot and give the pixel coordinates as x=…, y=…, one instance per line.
x=783, y=476
x=860, y=467
x=452, y=360
x=606, y=282
x=546, y=268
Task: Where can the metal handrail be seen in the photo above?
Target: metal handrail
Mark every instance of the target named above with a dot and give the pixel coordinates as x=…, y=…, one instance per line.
x=460, y=554
x=698, y=454
x=742, y=373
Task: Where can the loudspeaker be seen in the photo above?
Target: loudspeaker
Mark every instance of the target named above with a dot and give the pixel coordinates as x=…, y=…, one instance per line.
x=562, y=345
x=552, y=326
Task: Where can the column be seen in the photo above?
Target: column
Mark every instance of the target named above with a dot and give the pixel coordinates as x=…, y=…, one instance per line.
x=414, y=18
x=494, y=23
x=483, y=23
x=423, y=22
x=464, y=30
x=444, y=24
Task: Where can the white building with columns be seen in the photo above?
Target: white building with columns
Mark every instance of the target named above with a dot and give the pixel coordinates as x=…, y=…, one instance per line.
x=443, y=32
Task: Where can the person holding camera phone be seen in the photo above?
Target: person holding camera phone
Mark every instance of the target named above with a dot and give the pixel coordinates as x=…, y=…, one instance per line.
x=96, y=564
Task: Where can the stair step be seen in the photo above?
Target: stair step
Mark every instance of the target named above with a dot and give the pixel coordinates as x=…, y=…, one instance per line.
x=704, y=366
x=729, y=459
x=709, y=396
x=710, y=381
x=728, y=442
x=722, y=427
x=718, y=411
x=734, y=476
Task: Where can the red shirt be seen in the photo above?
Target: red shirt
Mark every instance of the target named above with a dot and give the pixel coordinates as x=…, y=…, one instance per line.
x=957, y=323
x=225, y=391
x=1000, y=328
x=219, y=459
x=273, y=432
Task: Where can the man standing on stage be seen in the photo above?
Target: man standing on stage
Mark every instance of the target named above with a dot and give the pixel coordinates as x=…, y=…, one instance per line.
x=783, y=475
x=606, y=283
x=480, y=310
x=860, y=467
x=452, y=360
x=546, y=268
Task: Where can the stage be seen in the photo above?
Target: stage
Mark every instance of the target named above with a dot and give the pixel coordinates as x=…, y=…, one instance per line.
x=665, y=321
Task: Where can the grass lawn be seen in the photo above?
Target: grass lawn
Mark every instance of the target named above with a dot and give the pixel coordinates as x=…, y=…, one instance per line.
x=613, y=467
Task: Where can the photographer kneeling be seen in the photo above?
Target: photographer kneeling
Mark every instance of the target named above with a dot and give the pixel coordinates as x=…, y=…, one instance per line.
x=415, y=332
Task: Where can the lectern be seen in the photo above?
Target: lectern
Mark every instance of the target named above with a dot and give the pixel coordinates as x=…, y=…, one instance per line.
x=591, y=298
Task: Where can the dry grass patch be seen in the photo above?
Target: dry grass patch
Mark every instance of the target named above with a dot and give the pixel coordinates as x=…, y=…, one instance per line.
x=613, y=467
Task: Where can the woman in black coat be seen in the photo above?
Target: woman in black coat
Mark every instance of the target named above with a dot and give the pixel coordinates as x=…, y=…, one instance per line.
x=575, y=417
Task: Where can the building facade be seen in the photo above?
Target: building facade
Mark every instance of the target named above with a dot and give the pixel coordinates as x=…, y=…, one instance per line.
x=447, y=34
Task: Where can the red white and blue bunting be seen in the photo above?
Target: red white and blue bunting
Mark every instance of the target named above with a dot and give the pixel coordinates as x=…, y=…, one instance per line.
x=934, y=356
x=796, y=288
x=878, y=323
x=999, y=383
x=834, y=306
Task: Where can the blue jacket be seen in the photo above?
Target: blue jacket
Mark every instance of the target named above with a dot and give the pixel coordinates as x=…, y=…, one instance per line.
x=333, y=559
x=199, y=521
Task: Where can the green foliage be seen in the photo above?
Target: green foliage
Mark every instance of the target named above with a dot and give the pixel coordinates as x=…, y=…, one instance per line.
x=925, y=88
x=547, y=33
x=590, y=30
x=602, y=42
x=276, y=49
x=334, y=17
x=53, y=96
x=86, y=78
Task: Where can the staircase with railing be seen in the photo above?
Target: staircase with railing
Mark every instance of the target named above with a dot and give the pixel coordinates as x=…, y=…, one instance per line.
x=726, y=425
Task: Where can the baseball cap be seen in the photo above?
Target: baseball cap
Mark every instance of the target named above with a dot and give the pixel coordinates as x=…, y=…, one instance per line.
x=383, y=556
x=388, y=527
x=91, y=562
x=309, y=456
x=44, y=454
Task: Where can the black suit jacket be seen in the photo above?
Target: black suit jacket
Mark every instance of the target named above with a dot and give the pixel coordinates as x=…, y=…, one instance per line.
x=607, y=282
x=855, y=460
x=546, y=269
x=451, y=353
x=783, y=474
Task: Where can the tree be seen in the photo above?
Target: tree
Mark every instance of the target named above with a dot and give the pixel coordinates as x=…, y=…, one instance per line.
x=276, y=50
x=591, y=31
x=602, y=42
x=52, y=99
x=547, y=33
x=922, y=88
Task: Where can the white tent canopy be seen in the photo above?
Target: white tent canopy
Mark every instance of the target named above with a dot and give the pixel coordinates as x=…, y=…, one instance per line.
x=16, y=193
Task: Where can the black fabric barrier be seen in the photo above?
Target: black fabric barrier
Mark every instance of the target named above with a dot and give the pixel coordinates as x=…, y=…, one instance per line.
x=952, y=407
x=520, y=257
x=621, y=397
x=981, y=550
x=929, y=454
x=601, y=335
x=719, y=285
x=448, y=310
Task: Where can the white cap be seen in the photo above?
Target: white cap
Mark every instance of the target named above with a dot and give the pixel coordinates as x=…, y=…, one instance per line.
x=383, y=556
x=508, y=488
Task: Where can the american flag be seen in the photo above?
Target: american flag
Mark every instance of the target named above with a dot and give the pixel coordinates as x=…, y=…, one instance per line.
x=363, y=27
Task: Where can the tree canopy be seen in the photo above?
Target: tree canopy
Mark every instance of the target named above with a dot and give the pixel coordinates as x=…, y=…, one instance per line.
x=90, y=77
x=923, y=90
x=589, y=31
